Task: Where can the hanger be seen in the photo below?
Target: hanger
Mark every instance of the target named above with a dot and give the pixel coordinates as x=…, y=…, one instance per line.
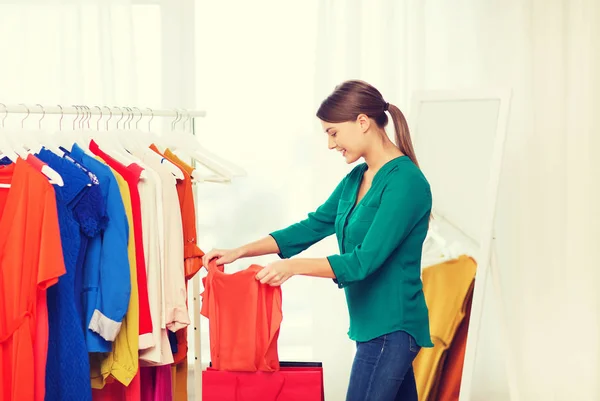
x=52, y=141
x=237, y=171
x=76, y=135
x=187, y=145
x=110, y=142
x=137, y=141
x=5, y=147
x=17, y=137
x=19, y=151
x=436, y=248
x=35, y=140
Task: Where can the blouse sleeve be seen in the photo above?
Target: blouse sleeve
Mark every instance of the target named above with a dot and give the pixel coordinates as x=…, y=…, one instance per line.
x=316, y=226
x=115, y=280
x=90, y=211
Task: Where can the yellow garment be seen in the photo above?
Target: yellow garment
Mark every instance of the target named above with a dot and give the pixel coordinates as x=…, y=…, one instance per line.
x=179, y=380
x=122, y=362
x=446, y=287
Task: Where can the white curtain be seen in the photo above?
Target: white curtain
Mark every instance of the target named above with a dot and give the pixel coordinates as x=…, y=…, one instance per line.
x=70, y=52
x=547, y=220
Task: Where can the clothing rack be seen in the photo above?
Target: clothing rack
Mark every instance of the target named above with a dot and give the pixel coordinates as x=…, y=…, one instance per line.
x=96, y=110
x=131, y=113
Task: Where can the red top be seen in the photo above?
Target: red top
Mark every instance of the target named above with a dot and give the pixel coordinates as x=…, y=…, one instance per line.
x=32, y=260
x=131, y=174
x=244, y=319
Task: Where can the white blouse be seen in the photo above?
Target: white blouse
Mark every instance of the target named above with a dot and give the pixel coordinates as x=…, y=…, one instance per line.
x=166, y=281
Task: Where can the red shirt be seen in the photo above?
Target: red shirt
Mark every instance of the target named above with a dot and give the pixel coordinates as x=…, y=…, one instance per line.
x=131, y=174
x=238, y=303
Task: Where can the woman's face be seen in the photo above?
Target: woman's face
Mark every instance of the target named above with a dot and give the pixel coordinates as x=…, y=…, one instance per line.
x=348, y=138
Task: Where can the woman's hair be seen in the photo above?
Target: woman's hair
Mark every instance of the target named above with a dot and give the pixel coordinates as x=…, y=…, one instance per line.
x=354, y=97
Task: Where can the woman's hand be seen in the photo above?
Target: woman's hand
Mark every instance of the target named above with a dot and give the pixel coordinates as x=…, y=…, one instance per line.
x=276, y=273
x=224, y=256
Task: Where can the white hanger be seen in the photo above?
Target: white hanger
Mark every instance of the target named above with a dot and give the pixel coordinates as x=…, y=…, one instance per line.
x=14, y=153
x=30, y=139
x=145, y=139
x=67, y=138
x=5, y=147
x=187, y=144
x=436, y=248
x=134, y=139
x=7, y=151
x=110, y=143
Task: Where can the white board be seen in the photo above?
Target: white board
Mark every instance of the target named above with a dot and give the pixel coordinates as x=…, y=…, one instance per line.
x=459, y=138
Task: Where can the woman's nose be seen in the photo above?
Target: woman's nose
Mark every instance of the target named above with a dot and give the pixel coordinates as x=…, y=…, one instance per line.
x=331, y=143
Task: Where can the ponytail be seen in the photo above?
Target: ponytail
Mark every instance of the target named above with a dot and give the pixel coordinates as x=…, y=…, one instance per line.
x=403, y=140
x=352, y=98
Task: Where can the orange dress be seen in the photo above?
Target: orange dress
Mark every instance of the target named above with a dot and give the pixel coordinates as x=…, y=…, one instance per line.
x=31, y=261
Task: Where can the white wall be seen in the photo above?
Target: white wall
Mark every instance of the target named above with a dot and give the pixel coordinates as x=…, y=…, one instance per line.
x=262, y=74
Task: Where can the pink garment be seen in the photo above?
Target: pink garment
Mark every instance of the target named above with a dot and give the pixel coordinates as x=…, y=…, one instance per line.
x=156, y=383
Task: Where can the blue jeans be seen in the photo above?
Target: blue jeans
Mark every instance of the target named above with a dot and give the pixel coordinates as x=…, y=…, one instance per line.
x=382, y=369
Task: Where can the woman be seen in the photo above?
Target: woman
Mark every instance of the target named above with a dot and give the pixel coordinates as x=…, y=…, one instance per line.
x=380, y=214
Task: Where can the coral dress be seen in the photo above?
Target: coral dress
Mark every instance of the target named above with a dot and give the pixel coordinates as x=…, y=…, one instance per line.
x=31, y=260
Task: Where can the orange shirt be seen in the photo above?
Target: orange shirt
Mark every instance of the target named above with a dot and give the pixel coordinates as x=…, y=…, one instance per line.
x=32, y=261
x=244, y=319
x=191, y=253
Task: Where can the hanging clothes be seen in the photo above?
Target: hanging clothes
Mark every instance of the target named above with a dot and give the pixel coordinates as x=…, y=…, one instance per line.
x=176, y=313
x=159, y=387
x=161, y=353
x=106, y=282
x=110, y=297
x=193, y=262
x=192, y=253
x=238, y=303
x=448, y=385
x=131, y=174
x=122, y=362
x=81, y=213
x=29, y=239
x=447, y=287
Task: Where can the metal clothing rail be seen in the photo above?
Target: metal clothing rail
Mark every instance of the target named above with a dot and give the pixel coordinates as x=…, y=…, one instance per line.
x=97, y=110
x=179, y=114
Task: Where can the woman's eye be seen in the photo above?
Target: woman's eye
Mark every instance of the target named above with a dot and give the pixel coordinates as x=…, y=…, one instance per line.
x=334, y=134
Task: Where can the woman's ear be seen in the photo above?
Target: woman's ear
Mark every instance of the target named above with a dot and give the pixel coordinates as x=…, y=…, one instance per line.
x=364, y=122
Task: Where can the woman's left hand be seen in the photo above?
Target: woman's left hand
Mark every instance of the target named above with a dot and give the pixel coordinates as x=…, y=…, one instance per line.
x=275, y=273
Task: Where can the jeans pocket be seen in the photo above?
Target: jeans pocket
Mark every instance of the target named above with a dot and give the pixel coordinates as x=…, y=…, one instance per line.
x=412, y=345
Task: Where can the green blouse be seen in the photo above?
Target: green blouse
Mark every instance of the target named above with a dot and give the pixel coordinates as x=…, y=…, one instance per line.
x=380, y=241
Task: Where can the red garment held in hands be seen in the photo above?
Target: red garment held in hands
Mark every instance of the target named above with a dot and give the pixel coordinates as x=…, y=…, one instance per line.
x=244, y=319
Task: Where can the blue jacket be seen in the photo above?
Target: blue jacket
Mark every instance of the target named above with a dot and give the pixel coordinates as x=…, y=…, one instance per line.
x=106, y=278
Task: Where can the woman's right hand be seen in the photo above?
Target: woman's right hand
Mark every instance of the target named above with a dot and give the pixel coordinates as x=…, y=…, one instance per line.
x=224, y=256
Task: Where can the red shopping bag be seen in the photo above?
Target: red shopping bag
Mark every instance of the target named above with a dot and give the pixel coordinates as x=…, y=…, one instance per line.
x=290, y=383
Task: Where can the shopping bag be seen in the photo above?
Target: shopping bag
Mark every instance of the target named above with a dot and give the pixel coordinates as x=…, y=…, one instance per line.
x=302, y=382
